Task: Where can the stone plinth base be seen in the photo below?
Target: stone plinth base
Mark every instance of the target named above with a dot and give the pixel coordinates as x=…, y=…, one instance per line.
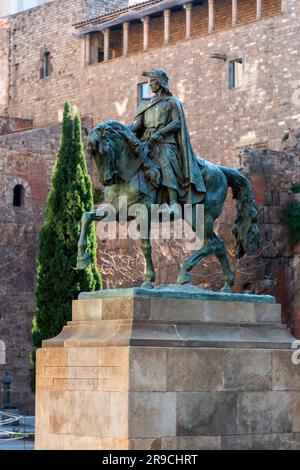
x=160, y=370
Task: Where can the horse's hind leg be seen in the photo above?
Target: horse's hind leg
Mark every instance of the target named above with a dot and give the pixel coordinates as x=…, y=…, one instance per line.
x=184, y=277
x=208, y=249
x=222, y=257
x=150, y=272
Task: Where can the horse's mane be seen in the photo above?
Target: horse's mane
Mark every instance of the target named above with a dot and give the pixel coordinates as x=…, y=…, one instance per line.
x=115, y=129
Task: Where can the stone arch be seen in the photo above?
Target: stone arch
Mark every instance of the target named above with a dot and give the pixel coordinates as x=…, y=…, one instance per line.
x=14, y=182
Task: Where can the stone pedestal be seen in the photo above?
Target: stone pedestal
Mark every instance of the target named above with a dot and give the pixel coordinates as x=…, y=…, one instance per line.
x=169, y=369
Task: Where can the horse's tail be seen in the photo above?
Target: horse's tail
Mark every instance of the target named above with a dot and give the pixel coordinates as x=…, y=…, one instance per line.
x=245, y=229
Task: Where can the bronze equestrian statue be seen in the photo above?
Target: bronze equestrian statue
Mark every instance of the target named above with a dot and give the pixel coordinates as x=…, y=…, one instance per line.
x=152, y=162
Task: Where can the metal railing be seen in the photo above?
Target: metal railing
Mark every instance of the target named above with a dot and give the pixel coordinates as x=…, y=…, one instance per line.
x=15, y=427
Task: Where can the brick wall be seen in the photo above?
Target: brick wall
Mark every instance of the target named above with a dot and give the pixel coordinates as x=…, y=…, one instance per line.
x=223, y=20
x=4, y=54
x=135, y=39
x=40, y=100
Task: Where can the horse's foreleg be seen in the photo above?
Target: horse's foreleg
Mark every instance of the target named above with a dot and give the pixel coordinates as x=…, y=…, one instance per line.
x=83, y=258
x=150, y=272
x=144, y=221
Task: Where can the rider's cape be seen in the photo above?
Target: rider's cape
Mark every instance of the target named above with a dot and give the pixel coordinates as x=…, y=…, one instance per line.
x=191, y=165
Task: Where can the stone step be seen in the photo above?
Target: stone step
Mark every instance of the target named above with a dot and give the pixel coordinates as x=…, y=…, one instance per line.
x=158, y=334
x=176, y=310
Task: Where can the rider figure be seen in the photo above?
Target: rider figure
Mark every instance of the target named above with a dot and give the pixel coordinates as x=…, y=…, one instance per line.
x=160, y=122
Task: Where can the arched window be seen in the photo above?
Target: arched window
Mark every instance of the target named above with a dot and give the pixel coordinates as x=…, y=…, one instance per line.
x=19, y=195
x=46, y=66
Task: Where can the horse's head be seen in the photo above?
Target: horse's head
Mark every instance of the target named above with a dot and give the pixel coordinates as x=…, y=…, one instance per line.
x=101, y=148
x=118, y=153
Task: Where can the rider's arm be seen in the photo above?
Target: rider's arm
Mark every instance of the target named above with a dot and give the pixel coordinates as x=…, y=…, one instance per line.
x=174, y=125
x=137, y=124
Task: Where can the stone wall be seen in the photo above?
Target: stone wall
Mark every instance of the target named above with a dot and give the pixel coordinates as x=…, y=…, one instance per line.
x=272, y=173
x=4, y=53
x=9, y=125
x=26, y=159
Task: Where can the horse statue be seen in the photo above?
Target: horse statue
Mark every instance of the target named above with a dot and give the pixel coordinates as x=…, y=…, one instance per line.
x=126, y=169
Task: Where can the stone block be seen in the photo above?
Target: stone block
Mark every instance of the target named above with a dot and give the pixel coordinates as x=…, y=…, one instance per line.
x=222, y=312
x=286, y=441
x=142, y=308
x=264, y=413
x=148, y=370
x=89, y=413
x=152, y=414
x=206, y=413
x=44, y=383
x=113, y=379
x=119, y=308
x=85, y=357
x=56, y=371
x=148, y=444
x=42, y=410
x=86, y=310
x=112, y=356
x=268, y=313
x=270, y=250
x=195, y=369
x=175, y=443
x=199, y=443
x=284, y=198
x=52, y=357
x=171, y=310
x=75, y=384
x=248, y=370
x=67, y=441
x=286, y=375
x=296, y=411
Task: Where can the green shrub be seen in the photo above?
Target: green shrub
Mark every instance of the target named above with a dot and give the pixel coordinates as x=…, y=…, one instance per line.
x=58, y=283
x=291, y=218
x=295, y=187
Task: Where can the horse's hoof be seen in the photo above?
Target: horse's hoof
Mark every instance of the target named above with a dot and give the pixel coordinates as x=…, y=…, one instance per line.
x=184, y=278
x=147, y=285
x=227, y=289
x=83, y=261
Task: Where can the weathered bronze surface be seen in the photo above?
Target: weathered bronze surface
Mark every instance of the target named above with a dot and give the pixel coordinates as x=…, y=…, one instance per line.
x=152, y=161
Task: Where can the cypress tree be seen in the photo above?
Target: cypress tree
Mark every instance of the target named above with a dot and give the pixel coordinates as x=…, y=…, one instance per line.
x=58, y=283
